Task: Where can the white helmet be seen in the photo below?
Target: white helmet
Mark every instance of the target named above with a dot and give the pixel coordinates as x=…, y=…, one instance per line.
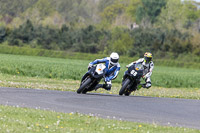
x=114, y=58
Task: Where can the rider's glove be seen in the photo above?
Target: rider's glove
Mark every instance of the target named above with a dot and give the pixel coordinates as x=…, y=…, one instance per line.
x=89, y=66
x=107, y=79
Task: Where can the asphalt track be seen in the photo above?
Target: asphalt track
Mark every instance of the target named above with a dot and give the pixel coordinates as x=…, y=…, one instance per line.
x=162, y=111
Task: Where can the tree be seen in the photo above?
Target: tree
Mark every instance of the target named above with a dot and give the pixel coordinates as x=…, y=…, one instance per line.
x=3, y=33
x=132, y=7
x=121, y=41
x=24, y=34
x=146, y=39
x=173, y=16
x=150, y=10
x=178, y=15
x=192, y=13
x=78, y=11
x=15, y=7
x=39, y=11
x=104, y=3
x=111, y=12
x=195, y=40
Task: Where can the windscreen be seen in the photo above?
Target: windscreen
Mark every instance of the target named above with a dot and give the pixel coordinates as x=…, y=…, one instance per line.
x=139, y=66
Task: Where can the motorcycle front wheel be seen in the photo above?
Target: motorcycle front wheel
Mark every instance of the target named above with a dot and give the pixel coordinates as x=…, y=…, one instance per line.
x=124, y=86
x=83, y=85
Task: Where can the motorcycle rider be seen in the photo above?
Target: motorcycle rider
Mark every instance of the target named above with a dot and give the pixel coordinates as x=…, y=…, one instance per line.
x=112, y=69
x=148, y=68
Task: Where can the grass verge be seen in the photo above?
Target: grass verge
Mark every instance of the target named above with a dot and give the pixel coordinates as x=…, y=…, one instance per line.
x=32, y=66
x=19, y=120
x=72, y=85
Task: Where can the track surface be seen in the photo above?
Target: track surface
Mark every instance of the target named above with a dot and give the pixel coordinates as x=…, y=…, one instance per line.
x=162, y=111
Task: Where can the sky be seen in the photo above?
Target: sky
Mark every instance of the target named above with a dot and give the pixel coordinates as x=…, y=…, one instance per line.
x=194, y=0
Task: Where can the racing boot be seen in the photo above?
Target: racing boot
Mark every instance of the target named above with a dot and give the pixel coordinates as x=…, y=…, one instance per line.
x=104, y=86
x=98, y=86
x=107, y=87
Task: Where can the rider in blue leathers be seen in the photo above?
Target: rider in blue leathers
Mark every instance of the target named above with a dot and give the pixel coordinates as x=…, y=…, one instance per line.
x=112, y=69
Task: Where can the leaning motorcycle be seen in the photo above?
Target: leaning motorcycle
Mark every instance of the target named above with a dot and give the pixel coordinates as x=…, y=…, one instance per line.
x=92, y=78
x=131, y=79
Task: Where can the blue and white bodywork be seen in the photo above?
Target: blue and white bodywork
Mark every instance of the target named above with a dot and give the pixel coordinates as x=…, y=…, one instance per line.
x=112, y=70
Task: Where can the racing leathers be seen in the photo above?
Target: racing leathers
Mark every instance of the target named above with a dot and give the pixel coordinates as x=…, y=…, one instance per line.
x=148, y=68
x=111, y=72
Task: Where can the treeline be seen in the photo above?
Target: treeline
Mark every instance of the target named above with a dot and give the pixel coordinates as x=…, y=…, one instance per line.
x=167, y=28
x=93, y=40
x=65, y=38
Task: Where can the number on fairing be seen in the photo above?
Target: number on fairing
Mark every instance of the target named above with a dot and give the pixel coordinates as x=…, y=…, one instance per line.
x=133, y=72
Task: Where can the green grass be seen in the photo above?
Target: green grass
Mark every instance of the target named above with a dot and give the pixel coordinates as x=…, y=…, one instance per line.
x=176, y=77
x=187, y=61
x=21, y=120
x=33, y=66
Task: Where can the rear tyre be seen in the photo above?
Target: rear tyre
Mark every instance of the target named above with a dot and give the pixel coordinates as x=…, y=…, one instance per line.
x=124, y=86
x=82, y=87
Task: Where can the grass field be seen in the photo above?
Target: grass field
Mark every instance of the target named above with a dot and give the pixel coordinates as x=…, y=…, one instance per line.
x=23, y=120
x=32, y=66
x=187, y=61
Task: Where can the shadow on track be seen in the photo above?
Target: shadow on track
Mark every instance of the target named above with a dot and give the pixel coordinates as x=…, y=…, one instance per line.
x=100, y=94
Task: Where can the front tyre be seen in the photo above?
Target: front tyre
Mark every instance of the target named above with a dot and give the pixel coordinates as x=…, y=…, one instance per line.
x=127, y=93
x=83, y=85
x=124, y=86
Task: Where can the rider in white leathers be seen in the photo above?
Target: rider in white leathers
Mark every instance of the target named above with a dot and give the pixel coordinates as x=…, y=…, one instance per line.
x=148, y=68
